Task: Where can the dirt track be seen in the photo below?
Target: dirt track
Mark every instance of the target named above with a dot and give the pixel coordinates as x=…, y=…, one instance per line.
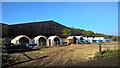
x=62, y=56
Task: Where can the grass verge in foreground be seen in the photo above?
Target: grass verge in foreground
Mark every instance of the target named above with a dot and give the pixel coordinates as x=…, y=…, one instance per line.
x=106, y=53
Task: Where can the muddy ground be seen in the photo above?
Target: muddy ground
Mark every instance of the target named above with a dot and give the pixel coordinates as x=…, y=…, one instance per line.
x=73, y=55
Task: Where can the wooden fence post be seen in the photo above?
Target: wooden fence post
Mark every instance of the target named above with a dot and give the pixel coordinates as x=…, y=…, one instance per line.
x=100, y=48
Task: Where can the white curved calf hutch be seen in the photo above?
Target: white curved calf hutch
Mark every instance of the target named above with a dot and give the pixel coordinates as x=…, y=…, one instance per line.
x=79, y=39
x=54, y=41
x=41, y=40
x=21, y=40
x=71, y=39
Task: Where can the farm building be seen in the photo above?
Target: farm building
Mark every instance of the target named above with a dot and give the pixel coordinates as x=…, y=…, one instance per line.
x=0, y=30
x=43, y=28
x=3, y=30
x=33, y=29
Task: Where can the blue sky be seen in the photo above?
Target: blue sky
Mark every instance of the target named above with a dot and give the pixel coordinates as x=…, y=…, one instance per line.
x=101, y=17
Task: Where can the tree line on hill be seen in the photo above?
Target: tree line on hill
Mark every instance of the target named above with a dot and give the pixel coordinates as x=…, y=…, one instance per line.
x=77, y=31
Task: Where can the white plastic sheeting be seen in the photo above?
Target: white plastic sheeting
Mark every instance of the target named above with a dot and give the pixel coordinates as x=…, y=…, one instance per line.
x=90, y=39
x=85, y=38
